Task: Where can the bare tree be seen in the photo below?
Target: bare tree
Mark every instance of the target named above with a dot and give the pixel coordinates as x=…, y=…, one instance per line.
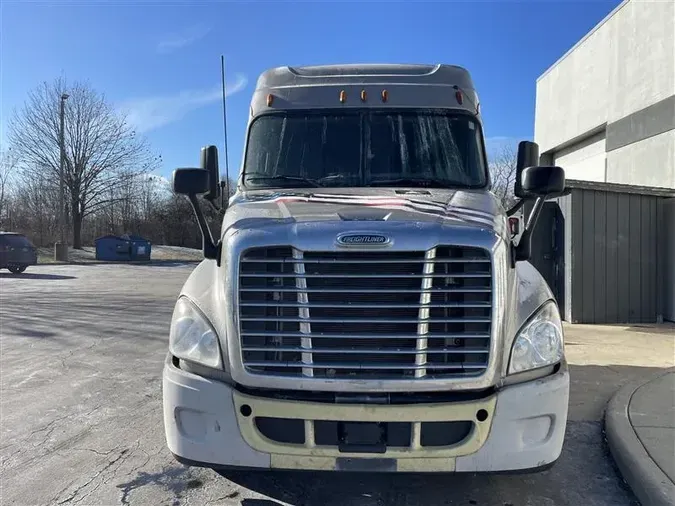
x=102, y=152
x=8, y=163
x=503, y=172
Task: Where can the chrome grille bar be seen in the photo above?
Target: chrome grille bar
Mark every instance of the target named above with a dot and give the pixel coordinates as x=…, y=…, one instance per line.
x=367, y=276
x=366, y=336
x=365, y=261
x=360, y=306
x=360, y=366
x=370, y=290
x=307, y=319
x=370, y=351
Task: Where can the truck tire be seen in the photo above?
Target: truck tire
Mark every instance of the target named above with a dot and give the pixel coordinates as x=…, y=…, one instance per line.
x=17, y=269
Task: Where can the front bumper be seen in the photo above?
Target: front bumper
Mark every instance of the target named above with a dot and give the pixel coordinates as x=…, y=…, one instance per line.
x=206, y=424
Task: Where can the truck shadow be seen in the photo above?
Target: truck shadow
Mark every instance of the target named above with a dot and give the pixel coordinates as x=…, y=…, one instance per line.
x=259, y=502
x=32, y=275
x=173, y=480
x=85, y=317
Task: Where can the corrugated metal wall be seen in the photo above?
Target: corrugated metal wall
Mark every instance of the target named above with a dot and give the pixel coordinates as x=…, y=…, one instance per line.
x=668, y=210
x=612, y=244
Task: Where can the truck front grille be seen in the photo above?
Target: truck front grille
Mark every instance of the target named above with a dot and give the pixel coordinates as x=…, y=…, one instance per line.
x=365, y=315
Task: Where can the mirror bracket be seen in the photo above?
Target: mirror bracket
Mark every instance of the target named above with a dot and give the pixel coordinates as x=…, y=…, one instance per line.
x=209, y=247
x=523, y=251
x=516, y=207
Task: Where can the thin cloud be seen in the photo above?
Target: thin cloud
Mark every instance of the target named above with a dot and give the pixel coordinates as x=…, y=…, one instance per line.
x=183, y=39
x=150, y=113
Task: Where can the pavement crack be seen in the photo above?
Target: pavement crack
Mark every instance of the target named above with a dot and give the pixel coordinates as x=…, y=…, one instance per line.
x=46, y=427
x=105, y=454
x=46, y=438
x=9, y=457
x=231, y=495
x=136, y=468
x=72, y=496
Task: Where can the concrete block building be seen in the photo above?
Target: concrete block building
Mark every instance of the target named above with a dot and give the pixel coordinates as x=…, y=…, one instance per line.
x=605, y=112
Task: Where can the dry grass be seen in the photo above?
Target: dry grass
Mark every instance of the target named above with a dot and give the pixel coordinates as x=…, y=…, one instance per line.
x=158, y=252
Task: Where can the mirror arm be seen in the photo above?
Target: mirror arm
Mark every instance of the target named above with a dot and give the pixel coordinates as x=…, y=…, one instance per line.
x=524, y=249
x=210, y=249
x=516, y=207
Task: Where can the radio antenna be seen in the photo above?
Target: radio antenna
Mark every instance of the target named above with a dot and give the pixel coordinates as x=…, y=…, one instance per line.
x=227, y=162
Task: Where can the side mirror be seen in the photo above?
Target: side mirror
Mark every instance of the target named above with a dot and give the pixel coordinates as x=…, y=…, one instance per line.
x=209, y=163
x=528, y=156
x=190, y=181
x=193, y=182
x=543, y=181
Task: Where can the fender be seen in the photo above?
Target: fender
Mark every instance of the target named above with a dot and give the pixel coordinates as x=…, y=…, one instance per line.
x=531, y=292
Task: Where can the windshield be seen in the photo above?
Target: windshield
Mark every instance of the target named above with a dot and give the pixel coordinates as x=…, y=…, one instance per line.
x=379, y=148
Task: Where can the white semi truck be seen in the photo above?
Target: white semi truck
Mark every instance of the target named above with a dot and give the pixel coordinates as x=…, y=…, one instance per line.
x=364, y=307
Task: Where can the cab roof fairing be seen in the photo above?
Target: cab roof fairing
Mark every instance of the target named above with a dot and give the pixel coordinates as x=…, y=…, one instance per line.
x=408, y=86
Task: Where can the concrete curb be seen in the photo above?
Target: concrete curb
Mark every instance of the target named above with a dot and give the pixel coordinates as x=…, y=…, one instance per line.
x=651, y=486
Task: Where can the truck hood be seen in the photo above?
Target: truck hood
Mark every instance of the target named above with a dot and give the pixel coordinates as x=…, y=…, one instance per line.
x=472, y=208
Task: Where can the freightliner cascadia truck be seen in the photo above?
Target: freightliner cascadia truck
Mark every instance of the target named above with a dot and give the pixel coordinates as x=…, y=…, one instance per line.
x=365, y=306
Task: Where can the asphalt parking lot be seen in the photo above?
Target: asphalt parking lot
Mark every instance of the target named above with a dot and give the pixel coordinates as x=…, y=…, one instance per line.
x=82, y=349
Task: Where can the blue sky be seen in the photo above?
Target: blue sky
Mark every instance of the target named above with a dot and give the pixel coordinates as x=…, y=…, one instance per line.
x=160, y=61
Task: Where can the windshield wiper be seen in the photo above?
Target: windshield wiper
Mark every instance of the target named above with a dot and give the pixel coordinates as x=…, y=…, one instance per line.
x=423, y=182
x=295, y=179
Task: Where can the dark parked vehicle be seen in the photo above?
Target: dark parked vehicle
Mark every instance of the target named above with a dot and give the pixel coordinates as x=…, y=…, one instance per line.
x=16, y=252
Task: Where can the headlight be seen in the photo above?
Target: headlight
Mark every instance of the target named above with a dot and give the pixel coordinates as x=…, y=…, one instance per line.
x=540, y=342
x=192, y=337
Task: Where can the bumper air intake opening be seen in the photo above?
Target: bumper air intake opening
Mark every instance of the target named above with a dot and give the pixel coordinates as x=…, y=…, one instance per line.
x=444, y=433
x=282, y=430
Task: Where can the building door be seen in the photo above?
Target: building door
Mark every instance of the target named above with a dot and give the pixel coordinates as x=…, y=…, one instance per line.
x=548, y=251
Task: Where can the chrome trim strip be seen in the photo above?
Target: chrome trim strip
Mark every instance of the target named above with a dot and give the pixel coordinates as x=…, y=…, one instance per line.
x=423, y=313
x=303, y=312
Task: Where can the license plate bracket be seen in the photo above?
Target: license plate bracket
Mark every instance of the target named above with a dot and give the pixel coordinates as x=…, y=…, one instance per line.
x=362, y=437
